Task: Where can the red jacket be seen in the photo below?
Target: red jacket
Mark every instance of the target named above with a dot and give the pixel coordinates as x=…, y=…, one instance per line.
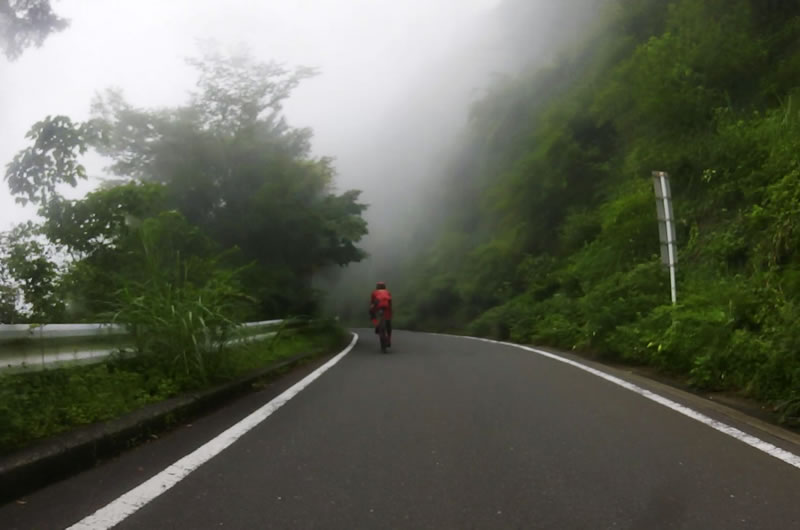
x=381, y=299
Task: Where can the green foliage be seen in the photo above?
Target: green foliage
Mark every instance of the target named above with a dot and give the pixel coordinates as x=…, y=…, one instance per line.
x=28, y=268
x=40, y=404
x=219, y=214
x=103, y=219
x=181, y=308
x=558, y=197
x=9, y=299
x=25, y=23
x=53, y=159
x=235, y=92
x=227, y=161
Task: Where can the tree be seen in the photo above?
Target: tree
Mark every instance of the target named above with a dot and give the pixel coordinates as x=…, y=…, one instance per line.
x=103, y=219
x=99, y=234
x=9, y=299
x=25, y=23
x=237, y=92
x=58, y=143
x=9, y=294
x=227, y=161
x=234, y=167
x=29, y=262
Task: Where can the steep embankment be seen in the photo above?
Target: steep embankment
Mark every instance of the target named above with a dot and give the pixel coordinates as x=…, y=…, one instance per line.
x=551, y=236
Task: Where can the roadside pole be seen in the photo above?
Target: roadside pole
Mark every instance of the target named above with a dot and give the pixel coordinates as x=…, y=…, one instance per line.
x=666, y=228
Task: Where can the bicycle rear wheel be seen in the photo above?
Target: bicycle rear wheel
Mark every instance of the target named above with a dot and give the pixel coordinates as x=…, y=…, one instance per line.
x=382, y=334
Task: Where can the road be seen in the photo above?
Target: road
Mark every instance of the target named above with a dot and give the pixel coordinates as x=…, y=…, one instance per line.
x=447, y=433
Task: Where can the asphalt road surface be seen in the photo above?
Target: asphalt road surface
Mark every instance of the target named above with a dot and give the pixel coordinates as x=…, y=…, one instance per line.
x=446, y=433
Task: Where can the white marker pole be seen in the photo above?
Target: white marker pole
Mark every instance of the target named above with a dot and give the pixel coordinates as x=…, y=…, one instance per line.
x=666, y=226
x=670, y=238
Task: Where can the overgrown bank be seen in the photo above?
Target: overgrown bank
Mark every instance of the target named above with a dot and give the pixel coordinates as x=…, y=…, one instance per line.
x=38, y=405
x=554, y=239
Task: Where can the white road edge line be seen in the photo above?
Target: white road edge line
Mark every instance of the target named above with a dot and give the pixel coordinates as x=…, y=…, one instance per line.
x=118, y=510
x=753, y=441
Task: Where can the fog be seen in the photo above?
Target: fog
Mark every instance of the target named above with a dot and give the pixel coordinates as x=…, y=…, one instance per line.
x=391, y=101
x=405, y=165
x=368, y=51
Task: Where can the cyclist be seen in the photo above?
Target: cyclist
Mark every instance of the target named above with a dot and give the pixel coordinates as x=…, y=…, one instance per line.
x=381, y=299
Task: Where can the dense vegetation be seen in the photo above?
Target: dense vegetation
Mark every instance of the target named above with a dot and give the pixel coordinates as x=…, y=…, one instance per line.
x=35, y=405
x=216, y=201
x=553, y=238
x=211, y=214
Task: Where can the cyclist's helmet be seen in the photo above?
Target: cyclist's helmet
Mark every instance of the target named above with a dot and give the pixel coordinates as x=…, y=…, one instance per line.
x=380, y=285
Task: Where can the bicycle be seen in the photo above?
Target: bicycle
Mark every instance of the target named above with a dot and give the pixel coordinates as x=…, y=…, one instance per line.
x=383, y=335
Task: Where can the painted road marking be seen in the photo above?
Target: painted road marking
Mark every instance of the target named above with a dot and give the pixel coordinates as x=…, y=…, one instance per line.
x=753, y=441
x=118, y=510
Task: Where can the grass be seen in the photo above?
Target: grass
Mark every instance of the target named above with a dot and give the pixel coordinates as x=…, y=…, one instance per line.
x=37, y=405
x=250, y=357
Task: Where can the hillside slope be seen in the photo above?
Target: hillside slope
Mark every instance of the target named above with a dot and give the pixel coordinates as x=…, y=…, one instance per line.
x=551, y=232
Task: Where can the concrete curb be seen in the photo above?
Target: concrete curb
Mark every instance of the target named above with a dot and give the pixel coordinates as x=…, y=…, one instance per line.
x=72, y=452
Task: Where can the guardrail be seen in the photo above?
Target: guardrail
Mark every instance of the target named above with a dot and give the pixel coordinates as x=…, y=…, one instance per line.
x=10, y=332
x=33, y=346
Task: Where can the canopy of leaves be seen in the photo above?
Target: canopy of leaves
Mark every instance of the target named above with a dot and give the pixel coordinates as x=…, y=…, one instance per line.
x=25, y=23
x=28, y=265
x=227, y=165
